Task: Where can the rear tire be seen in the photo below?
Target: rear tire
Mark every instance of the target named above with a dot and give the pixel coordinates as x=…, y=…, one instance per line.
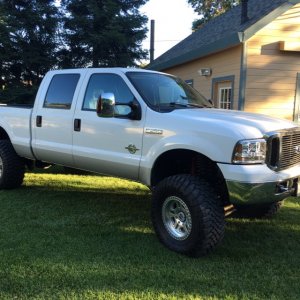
x=12, y=167
x=259, y=211
x=187, y=216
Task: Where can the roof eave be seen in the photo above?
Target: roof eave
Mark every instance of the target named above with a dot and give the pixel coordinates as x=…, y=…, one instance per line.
x=226, y=42
x=253, y=29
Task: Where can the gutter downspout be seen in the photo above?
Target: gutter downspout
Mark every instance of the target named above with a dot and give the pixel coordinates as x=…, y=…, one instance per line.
x=243, y=74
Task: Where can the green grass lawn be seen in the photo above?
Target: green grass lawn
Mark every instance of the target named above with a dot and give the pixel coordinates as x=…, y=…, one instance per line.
x=90, y=237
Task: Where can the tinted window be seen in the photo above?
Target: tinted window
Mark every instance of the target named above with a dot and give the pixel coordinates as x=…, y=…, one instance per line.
x=106, y=83
x=61, y=91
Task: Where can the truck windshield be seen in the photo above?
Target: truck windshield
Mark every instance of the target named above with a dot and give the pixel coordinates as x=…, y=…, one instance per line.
x=165, y=92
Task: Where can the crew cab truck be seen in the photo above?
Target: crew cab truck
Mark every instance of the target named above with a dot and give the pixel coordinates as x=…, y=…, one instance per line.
x=154, y=128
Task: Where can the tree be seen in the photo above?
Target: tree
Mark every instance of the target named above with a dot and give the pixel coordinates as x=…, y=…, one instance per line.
x=28, y=43
x=208, y=9
x=3, y=46
x=102, y=33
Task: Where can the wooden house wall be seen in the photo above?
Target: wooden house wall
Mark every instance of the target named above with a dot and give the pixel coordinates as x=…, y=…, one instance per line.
x=272, y=73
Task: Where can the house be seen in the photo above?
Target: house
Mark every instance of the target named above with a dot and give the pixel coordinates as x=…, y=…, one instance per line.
x=247, y=58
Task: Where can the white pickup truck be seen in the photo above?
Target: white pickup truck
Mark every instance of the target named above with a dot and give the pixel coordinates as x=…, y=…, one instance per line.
x=156, y=129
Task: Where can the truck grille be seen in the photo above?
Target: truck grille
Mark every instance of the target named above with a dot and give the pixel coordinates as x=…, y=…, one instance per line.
x=284, y=149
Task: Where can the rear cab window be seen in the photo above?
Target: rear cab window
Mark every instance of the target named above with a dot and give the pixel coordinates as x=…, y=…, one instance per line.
x=61, y=91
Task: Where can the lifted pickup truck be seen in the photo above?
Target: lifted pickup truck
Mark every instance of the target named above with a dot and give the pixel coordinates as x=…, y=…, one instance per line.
x=156, y=129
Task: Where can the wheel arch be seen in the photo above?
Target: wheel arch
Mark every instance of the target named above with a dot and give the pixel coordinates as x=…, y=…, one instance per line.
x=184, y=161
x=5, y=137
x=3, y=134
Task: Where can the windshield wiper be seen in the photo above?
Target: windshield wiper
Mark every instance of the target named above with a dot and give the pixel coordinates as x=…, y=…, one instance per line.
x=197, y=105
x=178, y=104
x=187, y=105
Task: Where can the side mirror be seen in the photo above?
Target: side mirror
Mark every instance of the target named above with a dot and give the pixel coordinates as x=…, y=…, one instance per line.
x=108, y=108
x=136, y=111
x=106, y=105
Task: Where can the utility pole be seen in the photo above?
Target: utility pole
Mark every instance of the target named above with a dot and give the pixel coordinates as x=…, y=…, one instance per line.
x=152, y=34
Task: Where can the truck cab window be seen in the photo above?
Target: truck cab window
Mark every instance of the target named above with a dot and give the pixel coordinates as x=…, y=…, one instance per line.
x=165, y=93
x=106, y=83
x=61, y=91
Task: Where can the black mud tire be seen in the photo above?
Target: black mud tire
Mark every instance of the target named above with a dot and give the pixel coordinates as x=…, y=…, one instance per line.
x=262, y=211
x=12, y=167
x=205, y=213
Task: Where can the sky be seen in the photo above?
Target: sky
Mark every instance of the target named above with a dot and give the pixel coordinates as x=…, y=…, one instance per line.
x=173, y=22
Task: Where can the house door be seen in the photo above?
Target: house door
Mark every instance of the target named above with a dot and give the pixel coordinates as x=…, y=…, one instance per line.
x=223, y=92
x=297, y=101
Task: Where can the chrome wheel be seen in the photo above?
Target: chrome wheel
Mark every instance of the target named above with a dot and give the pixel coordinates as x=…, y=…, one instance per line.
x=176, y=218
x=1, y=167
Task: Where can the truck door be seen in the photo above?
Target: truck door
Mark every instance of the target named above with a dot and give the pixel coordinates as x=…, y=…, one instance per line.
x=106, y=145
x=52, y=120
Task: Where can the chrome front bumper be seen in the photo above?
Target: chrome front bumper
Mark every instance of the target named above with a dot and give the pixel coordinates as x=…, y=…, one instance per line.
x=258, y=184
x=258, y=193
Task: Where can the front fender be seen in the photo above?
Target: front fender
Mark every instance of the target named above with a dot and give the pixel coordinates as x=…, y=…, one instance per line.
x=154, y=146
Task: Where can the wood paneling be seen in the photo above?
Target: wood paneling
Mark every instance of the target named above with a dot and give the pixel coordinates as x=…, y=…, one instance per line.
x=253, y=72
x=282, y=58
x=271, y=73
x=252, y=80
x=280, y=86
x=261, y=65
x=260, y=94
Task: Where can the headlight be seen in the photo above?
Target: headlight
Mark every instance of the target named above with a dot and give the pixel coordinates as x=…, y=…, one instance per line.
x=250, y=152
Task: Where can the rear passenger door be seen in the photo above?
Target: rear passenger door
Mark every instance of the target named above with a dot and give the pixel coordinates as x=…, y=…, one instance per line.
x=52, y=120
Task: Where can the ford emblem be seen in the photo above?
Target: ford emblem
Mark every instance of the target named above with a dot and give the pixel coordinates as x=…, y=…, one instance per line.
x=297, y=149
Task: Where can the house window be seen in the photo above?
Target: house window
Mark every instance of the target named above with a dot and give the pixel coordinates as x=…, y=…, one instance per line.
x=225, y=97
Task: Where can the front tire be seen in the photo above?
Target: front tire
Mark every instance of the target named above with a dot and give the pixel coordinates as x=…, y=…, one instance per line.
x=187, y=216
x=12, y=167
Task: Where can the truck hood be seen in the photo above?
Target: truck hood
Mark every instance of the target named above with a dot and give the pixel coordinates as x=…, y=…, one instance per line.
x=246, y=125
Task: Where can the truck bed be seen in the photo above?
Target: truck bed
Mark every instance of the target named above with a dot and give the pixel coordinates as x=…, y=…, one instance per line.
x=28, y=106
x=16, y=120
